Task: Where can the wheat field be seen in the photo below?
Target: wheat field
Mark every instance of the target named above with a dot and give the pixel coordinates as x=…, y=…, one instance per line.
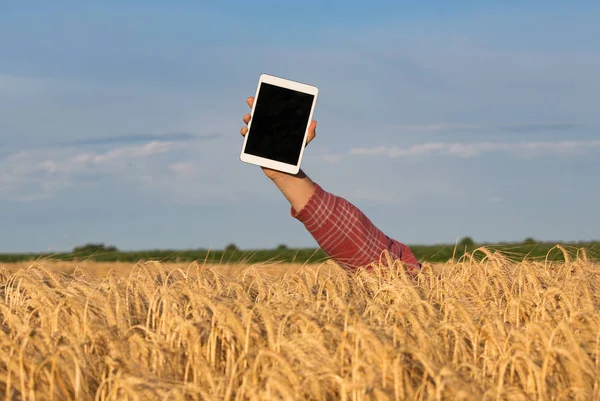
x=481, y=328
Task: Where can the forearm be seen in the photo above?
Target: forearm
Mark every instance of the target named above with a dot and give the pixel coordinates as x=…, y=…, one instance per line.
x=339, y=227
x=297, y=189
x=345, y=233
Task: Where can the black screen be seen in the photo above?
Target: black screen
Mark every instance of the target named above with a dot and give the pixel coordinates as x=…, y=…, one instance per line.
x=279, y=123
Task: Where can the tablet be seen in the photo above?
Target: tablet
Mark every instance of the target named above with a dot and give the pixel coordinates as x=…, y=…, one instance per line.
x=277, y=132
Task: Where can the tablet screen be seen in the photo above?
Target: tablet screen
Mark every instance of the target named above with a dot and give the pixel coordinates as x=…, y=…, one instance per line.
x=278, y=124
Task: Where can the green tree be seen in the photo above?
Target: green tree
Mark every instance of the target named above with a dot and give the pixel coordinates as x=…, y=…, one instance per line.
x=529, y=241
x=466, y=243
x=92, y=248
x=231, y=248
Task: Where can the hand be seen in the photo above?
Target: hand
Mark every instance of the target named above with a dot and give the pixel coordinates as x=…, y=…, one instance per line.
x=274, y=174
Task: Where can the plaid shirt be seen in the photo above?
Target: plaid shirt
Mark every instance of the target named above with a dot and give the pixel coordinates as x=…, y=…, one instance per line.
x=347, y=235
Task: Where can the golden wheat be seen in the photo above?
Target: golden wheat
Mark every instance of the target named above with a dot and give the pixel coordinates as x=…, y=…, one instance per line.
x=474, y=329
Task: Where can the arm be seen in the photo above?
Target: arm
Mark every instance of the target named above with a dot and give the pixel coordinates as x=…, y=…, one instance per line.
x=297, y=189
x=340, y=228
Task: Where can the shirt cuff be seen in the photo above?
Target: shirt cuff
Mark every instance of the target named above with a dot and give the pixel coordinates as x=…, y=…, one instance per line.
x=313, y=202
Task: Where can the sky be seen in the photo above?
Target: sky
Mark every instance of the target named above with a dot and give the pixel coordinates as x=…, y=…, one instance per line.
x=119, y=121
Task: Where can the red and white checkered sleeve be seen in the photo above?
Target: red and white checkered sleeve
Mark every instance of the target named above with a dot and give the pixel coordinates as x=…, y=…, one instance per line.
x=346, y=234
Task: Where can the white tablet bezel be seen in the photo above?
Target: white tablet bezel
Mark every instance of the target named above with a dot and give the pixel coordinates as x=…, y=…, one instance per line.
x=269, y=163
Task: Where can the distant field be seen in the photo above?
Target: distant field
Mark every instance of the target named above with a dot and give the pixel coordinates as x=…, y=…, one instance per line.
x=479, y=329
x=102, y=269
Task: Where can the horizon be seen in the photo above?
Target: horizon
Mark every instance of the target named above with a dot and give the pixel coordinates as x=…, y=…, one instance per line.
x=293, y=248
x=119, y=122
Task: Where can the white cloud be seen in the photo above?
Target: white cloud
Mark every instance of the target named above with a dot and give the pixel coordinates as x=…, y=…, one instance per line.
x=467, y=127
x=434, y=127
x=331, y=158
x=41, y=173
x=181, y=172
x=466, y=150
x=118, y=155
x=183, y=167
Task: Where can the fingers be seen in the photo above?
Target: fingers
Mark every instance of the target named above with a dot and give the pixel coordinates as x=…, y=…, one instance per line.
x=312, y=131
x=246, y=118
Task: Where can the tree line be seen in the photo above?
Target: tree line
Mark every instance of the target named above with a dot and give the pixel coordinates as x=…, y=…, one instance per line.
x=440, y=253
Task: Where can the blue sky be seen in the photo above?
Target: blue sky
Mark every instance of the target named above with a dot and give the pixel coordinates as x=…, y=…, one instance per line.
x=119, y=122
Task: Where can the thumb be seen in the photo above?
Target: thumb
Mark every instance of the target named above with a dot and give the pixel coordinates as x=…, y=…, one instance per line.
x=312, y=131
